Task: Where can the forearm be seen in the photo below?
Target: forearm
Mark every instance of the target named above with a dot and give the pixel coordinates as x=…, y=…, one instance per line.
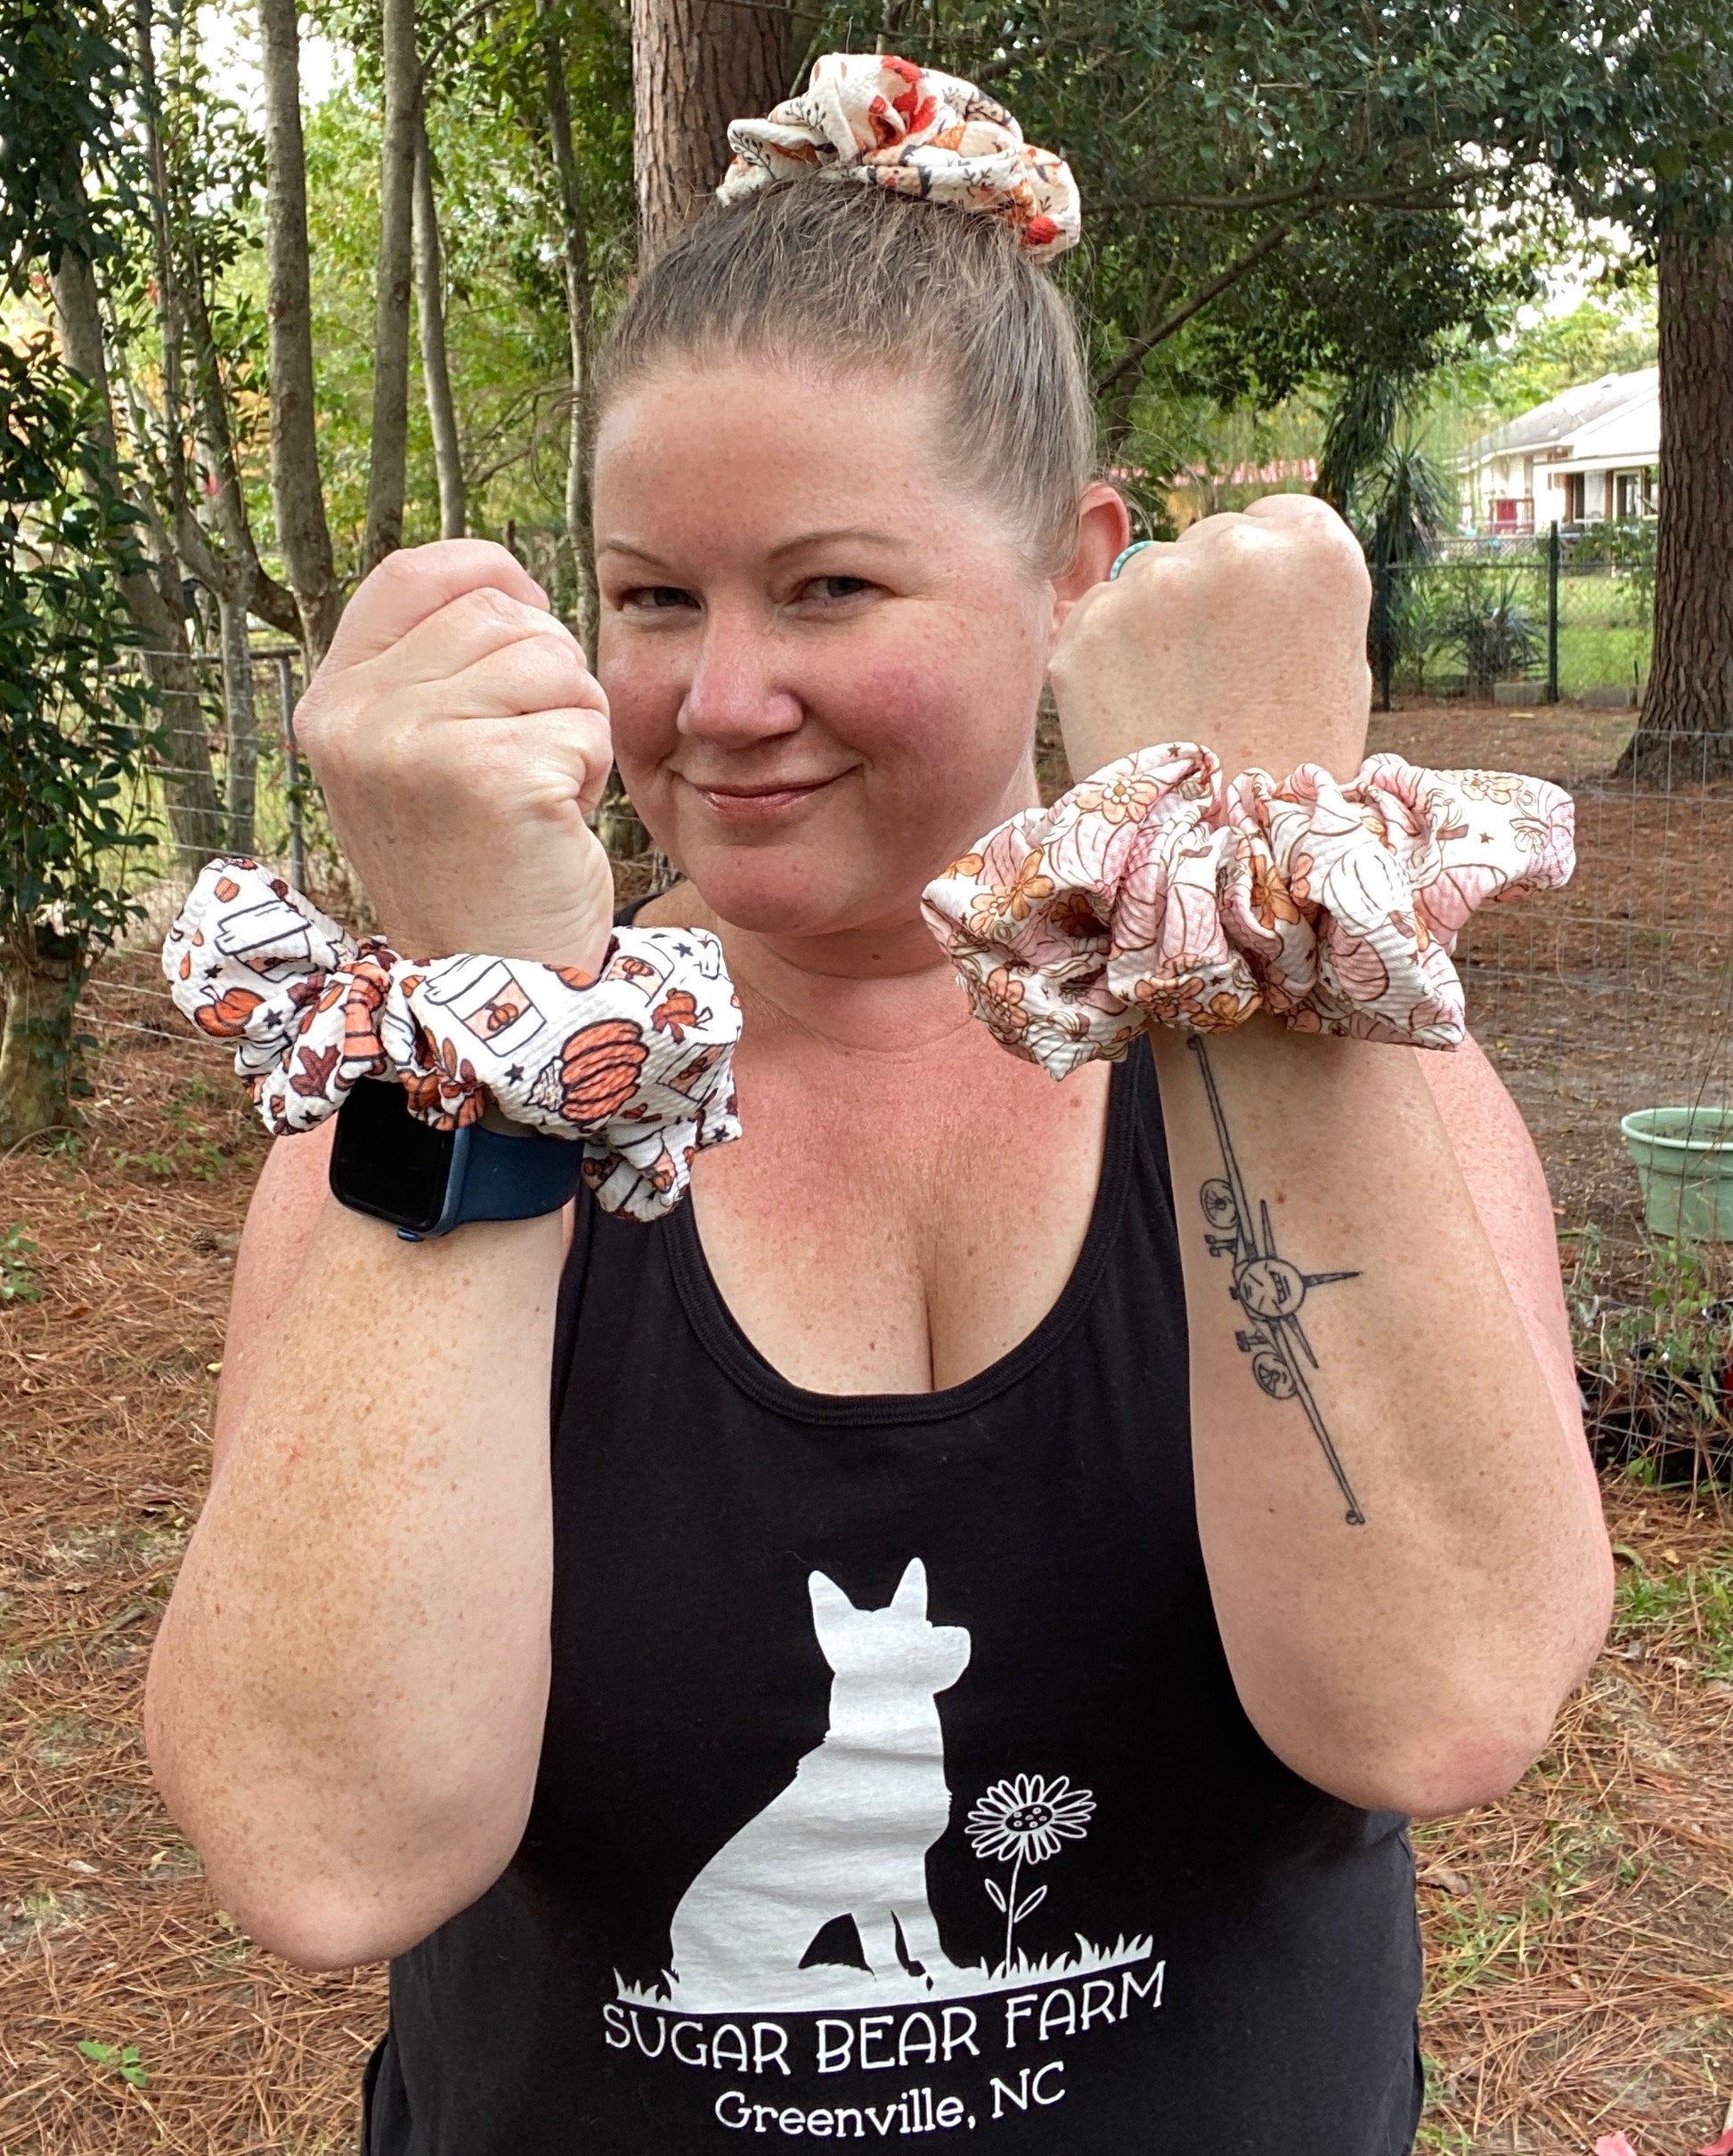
x=1406, y=1559
x=346, y=1699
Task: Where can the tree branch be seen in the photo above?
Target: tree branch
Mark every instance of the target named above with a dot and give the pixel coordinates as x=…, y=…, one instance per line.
x=1139, y=347
x=1427, y=196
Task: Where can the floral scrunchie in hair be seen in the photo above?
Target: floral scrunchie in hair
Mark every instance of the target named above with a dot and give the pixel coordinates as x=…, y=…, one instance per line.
x=884, y=122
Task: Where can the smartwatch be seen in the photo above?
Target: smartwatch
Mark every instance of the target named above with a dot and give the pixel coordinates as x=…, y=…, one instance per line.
x=425, y=1183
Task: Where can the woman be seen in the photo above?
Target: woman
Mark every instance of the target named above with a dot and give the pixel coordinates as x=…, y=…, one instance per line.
x=884, y=1697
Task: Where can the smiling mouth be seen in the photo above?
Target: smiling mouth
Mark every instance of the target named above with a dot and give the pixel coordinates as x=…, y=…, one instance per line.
x=753, y=803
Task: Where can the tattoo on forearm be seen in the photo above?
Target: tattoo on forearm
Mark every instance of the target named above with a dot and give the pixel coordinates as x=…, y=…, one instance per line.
x=1267, y=1287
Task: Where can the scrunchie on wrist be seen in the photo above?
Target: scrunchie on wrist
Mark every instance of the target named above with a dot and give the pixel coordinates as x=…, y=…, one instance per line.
x=1153, y=891
x=632, y=1062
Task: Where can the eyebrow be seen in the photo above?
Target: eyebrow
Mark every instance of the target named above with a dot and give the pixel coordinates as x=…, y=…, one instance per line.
x=859, y=534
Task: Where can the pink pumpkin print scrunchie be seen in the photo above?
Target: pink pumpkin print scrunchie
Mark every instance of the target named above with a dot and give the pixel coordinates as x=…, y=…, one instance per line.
x=633, y=1062
x=884, y=122
x=1154, y=892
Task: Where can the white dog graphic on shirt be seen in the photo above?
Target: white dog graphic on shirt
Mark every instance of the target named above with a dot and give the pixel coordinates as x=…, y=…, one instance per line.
x=849, y=1834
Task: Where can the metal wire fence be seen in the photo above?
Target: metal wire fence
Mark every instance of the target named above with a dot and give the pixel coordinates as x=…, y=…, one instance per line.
x=1612, y=998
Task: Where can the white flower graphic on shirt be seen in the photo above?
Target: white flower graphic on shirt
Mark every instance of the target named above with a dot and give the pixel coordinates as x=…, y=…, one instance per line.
x=1026, y=1820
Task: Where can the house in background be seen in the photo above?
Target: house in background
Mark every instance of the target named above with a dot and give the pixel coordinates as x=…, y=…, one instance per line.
x=1587, y=456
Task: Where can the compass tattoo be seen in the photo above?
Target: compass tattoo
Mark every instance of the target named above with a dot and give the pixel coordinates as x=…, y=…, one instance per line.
x=1267, y=1287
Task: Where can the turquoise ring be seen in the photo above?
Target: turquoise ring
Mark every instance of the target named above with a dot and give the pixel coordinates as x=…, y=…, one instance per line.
x=1136, y=547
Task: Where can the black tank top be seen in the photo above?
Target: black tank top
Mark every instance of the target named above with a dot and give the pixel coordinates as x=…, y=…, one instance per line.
x=894, y=1783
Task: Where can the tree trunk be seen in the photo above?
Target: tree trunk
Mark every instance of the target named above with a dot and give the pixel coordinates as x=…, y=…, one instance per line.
x=243, y=742
x=1686, y=733
x=248, y=580
x=574, y=254
x=168, y=304
x=41, y=974
x=189, y=783
x=297, y=493
x=696, y=65
x=435, y=370
x=388, y=450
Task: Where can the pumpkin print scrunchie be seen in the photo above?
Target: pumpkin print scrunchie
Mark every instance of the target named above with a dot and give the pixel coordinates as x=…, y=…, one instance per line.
x=632, y=1062
x=884, y=122
x=1152, y=891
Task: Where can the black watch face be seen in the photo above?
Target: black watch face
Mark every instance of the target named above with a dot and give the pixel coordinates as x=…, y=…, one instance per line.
x=387, y=1163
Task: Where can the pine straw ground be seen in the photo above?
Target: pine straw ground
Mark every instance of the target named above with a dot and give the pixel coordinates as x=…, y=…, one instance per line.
x=1580, y=1936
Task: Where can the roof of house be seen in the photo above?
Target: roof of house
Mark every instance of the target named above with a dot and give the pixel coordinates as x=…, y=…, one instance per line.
x=1628, y=436
x=1563, y=421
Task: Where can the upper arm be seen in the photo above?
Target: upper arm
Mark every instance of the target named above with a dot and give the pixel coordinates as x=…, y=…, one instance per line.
x=1509, y=1187
x=292, y=1192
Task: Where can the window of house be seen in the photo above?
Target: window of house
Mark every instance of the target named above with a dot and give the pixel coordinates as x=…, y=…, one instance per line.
x=1635, y=495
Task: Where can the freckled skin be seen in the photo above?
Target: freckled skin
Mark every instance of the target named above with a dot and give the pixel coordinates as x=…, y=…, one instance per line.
x=346, y=1699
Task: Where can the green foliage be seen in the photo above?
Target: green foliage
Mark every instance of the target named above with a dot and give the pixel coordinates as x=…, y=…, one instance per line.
x=121, y=2059
x=61, y=77
x=1649, y=143
x=500, y=220
x=1608, y=333
x=1699, y=1598
x=75, y=728
x=1489, y=625
x=1374, y=470
x=1680, y=1338
x=18, y=1278
x=1308, y=165
x=210, y=204
x=1629, y=551
x=1358, y=436
x=1411, y=498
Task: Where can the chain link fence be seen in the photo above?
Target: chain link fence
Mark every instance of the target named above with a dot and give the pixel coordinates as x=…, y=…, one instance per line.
x=1519, y=620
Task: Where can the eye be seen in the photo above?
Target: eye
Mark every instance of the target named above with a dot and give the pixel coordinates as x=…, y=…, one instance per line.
x=834, y=587
x=656, y=598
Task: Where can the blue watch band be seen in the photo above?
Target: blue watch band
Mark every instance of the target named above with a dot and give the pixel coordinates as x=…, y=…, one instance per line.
x=494, y=1176
x=425, y=1183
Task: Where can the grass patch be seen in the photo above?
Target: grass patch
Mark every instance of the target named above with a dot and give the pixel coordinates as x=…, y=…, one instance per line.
x=1602, y=658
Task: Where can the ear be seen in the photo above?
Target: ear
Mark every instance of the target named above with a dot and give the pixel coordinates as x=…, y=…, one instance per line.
x=830, y=1605
x=911, y=1595
x=1104, y=534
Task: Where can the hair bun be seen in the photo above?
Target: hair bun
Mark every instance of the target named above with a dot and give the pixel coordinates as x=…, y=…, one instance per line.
x=888, y=123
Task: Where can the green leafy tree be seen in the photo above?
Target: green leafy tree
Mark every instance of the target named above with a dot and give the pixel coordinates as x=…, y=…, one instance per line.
x=506, y=284
x=1654, y=151
x=187, y=343
x=1377, y=471
x=75, y=726
x=1610, y=331
x=1277, y=193
x=64, y=194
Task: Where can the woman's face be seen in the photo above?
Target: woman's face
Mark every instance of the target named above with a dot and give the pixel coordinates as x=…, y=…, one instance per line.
x=822, y=655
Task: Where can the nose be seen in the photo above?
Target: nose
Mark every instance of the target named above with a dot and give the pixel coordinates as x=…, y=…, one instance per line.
x=736, y=697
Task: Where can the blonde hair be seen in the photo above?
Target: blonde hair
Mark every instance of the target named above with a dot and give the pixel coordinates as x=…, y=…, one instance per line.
x=818, y=270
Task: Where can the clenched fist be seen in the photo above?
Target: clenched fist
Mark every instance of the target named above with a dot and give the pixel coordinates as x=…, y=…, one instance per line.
x=1248, y=634
x=459, y=737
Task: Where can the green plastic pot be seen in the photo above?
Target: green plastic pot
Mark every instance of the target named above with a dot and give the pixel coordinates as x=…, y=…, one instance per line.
x=1684, y=1159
